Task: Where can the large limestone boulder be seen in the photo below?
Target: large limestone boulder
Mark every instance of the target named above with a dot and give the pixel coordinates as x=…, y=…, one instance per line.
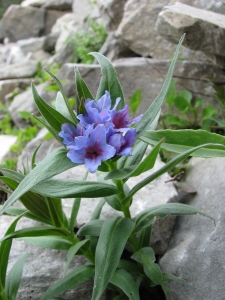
x=111, y=12
x=58, y=4
x=205, y=30
x=196, y=251
x=147, y=75
x=22, y=22
x=82, y=9
x=137, y=30
x=25, y=69
x=35, y=3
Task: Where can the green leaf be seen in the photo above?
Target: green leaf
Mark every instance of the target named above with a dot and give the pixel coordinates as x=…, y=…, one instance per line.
x=33, y=165
x=135, y=101
x=14, y=277
x=179, y=141
x=109, y=81
x=175, y=120
x=208, y=112
x=120, y=297
x=114, y=202
x=154, y=109
x=172, y=278
x=130, y=266
x=70, y=280
x=113, y=237
x=182, y=104
x=61, y=107
x=69, y=188
x=146, y=257
x=44, y=170
x=83, y=92
x=50, y=242
x=92, y=228
x=36, y=231
x=52, y=116
x=171, y=93
x=51, y=130
x=75, y=121
x=147, y=164
x=33, y=202
x=126, y=283
x=146, y=218
x=198, y=103
x=72, y=252
x=5, y=247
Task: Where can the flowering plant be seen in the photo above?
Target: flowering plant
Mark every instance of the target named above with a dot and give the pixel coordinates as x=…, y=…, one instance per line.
x=100, y=135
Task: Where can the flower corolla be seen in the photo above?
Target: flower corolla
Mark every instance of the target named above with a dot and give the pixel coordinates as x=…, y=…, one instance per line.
x=101, y=134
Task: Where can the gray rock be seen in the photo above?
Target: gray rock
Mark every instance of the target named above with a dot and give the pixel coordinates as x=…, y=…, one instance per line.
x=51, y=16
x=25, y=69
x=63, y=56
x=137, y=30
x=13, y=54
x=31, y=44
x=147, y=75
x=111, y=12
x=25, y=102
x=22, y=22
x=50, y=41
x=8, y=86
x=115, y=48
x=82, y=9
x=58, y=4
x=205, y=30
x=6, y=142
x=35, y=3
x=196, y=251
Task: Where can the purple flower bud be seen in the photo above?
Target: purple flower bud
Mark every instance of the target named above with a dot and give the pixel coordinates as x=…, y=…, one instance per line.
x=123, y=144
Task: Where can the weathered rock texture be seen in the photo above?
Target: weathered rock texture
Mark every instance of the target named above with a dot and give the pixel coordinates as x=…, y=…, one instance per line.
x=22, y=22
x=196, y=252
x=6, y=141
x=204, y=30
x=24, y=69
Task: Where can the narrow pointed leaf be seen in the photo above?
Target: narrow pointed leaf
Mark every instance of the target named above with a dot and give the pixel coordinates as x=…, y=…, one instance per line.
x=179, y=141
x=75, y=121
x=109, y=81
x=82, y=89
x=146, y=257
x=52, y=116
x=113, y=237
x=61, y=107
x=146, y=218
x=5, y=247
x=72, y=252
x=50, y=242
x=34, y=157
x=154, y=108
x=52, y=131
x=92, y=228
x=126, y=283
x=72, y=279
x=44, y=170
x=14, y=278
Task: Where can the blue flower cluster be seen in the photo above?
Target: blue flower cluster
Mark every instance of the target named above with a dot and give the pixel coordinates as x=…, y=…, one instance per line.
x=101, y=133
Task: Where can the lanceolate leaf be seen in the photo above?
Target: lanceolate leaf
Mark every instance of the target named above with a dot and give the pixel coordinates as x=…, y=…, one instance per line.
x=14, y=277
x=154, y=108
x=44, y=170
x=179, y=141
x=72, y=279
x=126, y=283
x=113, y=237
x=92, y=228
x=75, y=121
x=109, y=81
x=51, y=242
x=61, y=107
x=146, y=218
x=52, y=116
x=53, y=132
x=82, y=89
